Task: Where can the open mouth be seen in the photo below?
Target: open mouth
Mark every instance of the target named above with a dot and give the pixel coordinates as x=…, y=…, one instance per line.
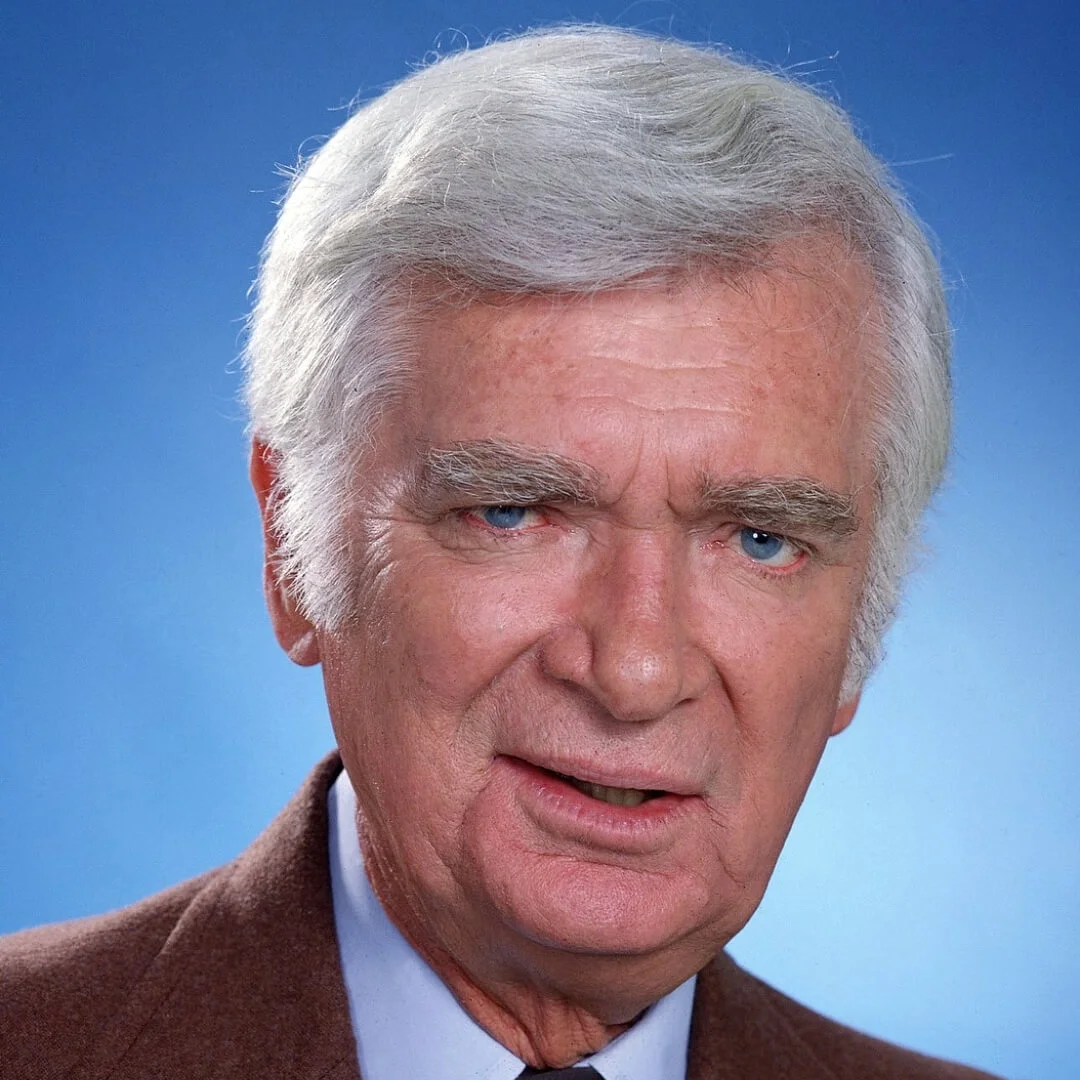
x=616, y=796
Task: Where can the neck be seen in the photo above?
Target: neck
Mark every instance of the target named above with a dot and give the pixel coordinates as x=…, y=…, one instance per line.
x=550, y=1007
x=547, y=1008
x=545, y=1030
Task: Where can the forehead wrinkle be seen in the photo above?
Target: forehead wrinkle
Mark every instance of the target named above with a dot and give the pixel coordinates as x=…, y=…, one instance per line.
x=501, y=471
x=785, y=504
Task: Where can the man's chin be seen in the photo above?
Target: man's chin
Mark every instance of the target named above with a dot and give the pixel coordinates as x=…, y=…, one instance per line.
x=588, y=909
x=620, y=894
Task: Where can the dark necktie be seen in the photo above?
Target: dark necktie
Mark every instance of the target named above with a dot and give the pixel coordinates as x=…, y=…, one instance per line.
x=587, y=1073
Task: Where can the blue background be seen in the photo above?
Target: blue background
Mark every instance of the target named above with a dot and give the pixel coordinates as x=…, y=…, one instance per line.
x=149, y=727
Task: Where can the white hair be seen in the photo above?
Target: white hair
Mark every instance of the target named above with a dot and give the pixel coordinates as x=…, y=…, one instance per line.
x=571, y=160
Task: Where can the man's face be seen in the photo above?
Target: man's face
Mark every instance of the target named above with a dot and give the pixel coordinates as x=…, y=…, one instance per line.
x=613, y=541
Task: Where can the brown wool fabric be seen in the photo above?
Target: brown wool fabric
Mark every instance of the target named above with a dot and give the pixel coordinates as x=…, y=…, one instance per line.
x=235, y=975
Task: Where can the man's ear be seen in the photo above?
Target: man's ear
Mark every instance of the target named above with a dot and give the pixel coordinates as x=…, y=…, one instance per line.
x=294, y=633
x=845, y=714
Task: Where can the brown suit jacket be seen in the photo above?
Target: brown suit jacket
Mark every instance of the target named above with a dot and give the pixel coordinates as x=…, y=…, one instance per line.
x=235, y=975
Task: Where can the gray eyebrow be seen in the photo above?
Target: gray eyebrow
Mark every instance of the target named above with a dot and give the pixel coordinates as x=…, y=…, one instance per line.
x=496, y=471
x=791, y=506
x=493, y=472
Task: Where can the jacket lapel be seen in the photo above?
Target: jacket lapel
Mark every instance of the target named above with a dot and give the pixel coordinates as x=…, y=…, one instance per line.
x=249, y=982
x=737, y=1033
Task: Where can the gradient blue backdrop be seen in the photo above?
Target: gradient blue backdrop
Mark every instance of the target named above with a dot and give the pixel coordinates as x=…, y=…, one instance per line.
x=149, y=727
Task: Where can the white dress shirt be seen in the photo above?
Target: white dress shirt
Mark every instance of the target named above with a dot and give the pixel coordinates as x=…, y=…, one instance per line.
x=408, y=1024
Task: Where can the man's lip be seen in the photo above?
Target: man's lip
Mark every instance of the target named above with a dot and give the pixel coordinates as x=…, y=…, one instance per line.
x=631, y=777
x=576, y=821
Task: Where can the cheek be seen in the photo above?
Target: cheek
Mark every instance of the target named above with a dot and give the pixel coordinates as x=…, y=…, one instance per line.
x=410, y=690
x=459, y=626
x=784, y=643
x=782, y=668
x=407, y=766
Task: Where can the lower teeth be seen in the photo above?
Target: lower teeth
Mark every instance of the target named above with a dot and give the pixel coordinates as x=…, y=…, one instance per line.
x=613, y=795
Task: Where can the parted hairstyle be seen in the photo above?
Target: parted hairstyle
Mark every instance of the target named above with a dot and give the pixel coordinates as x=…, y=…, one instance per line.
x=563, y=161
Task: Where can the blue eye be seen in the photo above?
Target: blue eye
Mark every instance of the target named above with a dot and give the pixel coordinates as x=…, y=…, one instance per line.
x=767, y=548
x=503, y=517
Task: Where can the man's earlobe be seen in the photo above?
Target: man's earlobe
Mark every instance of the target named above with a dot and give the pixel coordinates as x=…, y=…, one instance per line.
x=295, y=634
x=845, y=714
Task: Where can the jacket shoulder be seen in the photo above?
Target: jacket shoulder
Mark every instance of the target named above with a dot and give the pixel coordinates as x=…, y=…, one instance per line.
x=742, y=1027
x=59, y=984
x=853, y=1054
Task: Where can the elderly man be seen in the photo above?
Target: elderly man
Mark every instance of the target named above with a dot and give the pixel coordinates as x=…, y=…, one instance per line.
x=597, y=385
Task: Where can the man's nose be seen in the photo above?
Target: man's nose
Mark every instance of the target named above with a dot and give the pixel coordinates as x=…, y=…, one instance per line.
x=630, y=644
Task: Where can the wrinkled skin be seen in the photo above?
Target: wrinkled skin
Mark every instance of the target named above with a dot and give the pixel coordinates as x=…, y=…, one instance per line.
x=628, y=638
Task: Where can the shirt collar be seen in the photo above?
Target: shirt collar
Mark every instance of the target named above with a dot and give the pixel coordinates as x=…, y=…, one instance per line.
x=389, y=987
